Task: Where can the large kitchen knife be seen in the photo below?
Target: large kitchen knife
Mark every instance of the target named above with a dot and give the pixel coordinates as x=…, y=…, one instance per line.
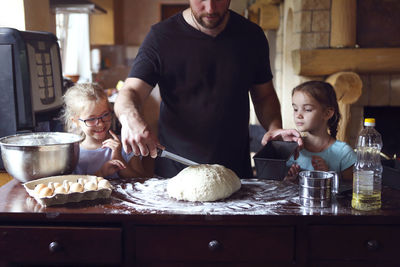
x=165, y=154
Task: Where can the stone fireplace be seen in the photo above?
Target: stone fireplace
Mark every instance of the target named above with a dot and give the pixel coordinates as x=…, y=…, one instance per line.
x=388, y=125
x=331, y=34
x=380, y=99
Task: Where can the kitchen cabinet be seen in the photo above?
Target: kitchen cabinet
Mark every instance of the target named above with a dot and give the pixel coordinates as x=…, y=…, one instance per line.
x=115, y=232
x=223, y=244
x=357, y=243
x=106, y=29
x=60, y=245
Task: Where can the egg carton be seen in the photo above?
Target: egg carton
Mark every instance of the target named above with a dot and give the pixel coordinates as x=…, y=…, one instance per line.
x=63, y=198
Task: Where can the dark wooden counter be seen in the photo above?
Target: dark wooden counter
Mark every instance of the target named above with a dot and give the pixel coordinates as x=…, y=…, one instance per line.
x=119, y=232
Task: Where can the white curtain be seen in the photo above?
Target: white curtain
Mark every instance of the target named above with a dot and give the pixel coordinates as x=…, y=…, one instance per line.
x=75, y=45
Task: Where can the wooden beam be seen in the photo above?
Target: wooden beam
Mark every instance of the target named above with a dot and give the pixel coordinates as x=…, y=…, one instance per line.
x=320, y=62
x=269, y=2
x=343, y=23
x=269, y=17
x=253, y=14
x=348, y=88
x=37, y=15
x=265, y=15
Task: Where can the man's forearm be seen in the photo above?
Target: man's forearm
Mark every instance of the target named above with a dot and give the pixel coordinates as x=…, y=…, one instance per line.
x=128, y=105
x=269, y=115
x=268, y=110
x=266, y=105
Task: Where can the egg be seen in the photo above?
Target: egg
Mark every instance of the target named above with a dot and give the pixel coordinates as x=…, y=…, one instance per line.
x=38, y=187
x=103, y=184
x=90, y=186
x=76, y=187
x=82, y=181
x=45, y=192
x=60, y=190
x=56, y=184
x=92, y=178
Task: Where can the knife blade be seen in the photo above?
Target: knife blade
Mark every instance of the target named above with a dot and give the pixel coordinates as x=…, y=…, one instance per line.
x=165, y=154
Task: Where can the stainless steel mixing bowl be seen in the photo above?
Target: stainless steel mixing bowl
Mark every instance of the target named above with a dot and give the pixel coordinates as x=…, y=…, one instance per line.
x=30, y=156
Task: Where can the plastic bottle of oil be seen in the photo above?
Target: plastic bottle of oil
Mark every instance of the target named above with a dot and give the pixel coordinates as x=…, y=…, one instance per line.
x=367, y=171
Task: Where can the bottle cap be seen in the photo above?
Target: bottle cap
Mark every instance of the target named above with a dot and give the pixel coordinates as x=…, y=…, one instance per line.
x=369, y=122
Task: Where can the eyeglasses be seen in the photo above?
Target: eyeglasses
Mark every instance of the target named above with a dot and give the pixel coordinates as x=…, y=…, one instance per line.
x=95, y=121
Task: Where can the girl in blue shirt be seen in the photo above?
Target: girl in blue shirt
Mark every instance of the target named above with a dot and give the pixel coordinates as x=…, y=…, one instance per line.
x=316, y=115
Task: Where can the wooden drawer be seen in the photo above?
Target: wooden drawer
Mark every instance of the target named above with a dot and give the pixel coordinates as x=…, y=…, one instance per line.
x=354, y=242
x=67, y=245
x=189, y=243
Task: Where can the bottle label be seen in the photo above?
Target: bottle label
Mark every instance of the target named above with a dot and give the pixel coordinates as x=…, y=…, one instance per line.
x=365, y=180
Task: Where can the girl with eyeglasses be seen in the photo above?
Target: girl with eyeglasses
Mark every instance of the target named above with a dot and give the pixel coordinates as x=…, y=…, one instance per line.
x=88, y=112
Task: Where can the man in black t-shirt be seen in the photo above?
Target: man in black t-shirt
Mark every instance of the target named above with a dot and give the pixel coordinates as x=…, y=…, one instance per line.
x=205, y=60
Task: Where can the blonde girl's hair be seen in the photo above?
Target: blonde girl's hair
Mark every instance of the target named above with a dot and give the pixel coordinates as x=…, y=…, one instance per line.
x=324, y=93
x=76, y=99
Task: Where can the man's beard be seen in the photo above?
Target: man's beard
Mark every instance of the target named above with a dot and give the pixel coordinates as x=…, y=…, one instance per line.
x=213, y=24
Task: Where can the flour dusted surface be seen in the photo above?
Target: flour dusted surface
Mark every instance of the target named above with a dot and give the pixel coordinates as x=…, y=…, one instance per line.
x=255, y=197
x=203, y=182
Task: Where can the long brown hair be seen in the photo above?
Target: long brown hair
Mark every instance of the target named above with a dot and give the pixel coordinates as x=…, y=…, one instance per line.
x=324, y=93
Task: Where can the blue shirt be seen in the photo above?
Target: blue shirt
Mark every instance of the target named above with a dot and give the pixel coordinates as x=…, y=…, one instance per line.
x=90, y=161
x=339, y=156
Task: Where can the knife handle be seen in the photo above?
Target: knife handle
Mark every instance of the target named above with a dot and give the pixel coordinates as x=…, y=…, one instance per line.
x=159, y=152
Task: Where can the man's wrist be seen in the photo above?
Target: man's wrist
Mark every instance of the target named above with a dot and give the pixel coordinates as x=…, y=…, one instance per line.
x=132, y=119
x=275, y=125
x=123, y=118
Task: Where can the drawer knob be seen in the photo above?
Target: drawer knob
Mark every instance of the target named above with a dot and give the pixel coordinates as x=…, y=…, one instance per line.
x=372, y=245
x=214, y=245
x=55, y=247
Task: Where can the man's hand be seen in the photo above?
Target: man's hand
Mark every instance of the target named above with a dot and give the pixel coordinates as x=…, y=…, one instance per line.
x=138, y=138
x=136, y=135
x=284, y=135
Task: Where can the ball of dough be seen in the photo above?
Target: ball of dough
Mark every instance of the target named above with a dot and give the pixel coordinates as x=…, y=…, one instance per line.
x=203, y=182
x=76, y=187
x=103, y=184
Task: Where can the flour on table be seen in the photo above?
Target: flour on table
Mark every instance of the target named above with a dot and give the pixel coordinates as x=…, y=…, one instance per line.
x=256, y=197
x=204, y=182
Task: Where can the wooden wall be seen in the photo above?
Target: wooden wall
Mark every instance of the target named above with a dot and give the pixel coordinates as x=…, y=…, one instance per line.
x=135, y=17
x=378, y=23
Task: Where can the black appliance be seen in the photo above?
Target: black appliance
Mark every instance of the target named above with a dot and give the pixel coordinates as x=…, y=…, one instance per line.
x=30, y=82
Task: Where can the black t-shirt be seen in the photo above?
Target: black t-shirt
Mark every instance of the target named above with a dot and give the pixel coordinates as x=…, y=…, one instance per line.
x=204, y=83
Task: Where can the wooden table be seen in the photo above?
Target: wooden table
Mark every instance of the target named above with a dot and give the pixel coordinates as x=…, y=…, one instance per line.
x=114, y=233
x=4, y=178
